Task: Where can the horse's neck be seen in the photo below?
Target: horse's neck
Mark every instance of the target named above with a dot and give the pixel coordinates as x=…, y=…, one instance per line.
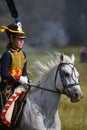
x=46, y=100
x=42, y=105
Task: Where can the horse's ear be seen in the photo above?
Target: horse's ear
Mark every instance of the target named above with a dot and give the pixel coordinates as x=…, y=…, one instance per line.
x=73, y=58
x=61, y=57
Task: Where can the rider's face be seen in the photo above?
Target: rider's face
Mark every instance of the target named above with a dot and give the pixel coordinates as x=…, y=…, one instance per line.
x=18, y=42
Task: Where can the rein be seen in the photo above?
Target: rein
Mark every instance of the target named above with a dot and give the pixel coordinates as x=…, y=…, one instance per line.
x=45, y=89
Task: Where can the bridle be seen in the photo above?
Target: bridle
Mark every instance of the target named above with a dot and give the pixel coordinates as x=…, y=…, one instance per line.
x=65, y=85
x=62, y=77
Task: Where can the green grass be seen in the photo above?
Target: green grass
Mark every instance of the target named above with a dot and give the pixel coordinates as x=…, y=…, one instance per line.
x=73, y=115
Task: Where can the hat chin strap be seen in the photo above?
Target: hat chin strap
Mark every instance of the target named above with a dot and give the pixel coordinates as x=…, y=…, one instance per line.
x=11, y=43
x=14, y=47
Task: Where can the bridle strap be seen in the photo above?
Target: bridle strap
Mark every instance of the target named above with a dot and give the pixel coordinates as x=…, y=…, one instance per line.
x=58, y=67
x=71, y=85
x=64, y=85
x=57, y=71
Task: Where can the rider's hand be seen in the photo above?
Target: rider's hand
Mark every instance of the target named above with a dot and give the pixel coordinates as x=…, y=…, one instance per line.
x=23, y=80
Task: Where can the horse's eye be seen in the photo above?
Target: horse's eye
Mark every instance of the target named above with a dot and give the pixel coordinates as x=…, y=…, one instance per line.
x=66, y=74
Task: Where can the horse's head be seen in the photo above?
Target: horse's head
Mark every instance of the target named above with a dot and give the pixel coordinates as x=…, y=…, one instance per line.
x=68, y=81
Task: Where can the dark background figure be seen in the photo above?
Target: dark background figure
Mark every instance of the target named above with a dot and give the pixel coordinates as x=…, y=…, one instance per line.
x=83, y=53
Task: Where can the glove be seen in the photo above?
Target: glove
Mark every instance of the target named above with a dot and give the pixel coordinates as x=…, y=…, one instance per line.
x=23, y=80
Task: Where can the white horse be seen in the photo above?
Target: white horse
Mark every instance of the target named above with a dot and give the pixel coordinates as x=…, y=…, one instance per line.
x=56, y=76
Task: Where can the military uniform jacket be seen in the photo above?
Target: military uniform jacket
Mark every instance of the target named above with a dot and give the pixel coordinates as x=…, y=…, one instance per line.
x=13, y=65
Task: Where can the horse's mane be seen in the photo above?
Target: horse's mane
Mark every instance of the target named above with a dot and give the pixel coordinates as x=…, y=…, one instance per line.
x=42, y=67
x=47, y=63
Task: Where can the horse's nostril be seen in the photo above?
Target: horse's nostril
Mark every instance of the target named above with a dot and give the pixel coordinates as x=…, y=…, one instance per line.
x=76, y=95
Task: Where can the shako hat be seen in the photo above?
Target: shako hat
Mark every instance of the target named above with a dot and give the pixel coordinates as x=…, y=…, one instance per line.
x=14, y=30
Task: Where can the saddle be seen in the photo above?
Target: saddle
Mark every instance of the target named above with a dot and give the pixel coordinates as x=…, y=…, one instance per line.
x=13, y=109
x=18, y=109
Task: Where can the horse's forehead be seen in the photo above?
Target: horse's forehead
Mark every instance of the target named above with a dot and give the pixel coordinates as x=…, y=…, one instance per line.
x=66, y=69
x=69, y=68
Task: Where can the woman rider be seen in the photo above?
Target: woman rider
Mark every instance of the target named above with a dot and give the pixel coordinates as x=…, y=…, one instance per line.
x=13, y=62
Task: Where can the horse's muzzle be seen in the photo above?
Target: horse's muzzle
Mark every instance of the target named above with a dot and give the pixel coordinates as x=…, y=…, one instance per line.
x=74, y=95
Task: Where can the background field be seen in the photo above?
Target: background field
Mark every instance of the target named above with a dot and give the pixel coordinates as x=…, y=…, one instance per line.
x=73, y=116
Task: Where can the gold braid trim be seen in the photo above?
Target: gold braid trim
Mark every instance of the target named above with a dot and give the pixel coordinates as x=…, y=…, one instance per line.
x=4, y=28
x=18, y=60
x=7, y=92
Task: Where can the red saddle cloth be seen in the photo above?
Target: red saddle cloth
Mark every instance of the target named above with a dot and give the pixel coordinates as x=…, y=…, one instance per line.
x=7, y=111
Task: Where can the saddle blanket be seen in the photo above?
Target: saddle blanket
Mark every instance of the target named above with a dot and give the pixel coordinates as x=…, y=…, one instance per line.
x=7, y=111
